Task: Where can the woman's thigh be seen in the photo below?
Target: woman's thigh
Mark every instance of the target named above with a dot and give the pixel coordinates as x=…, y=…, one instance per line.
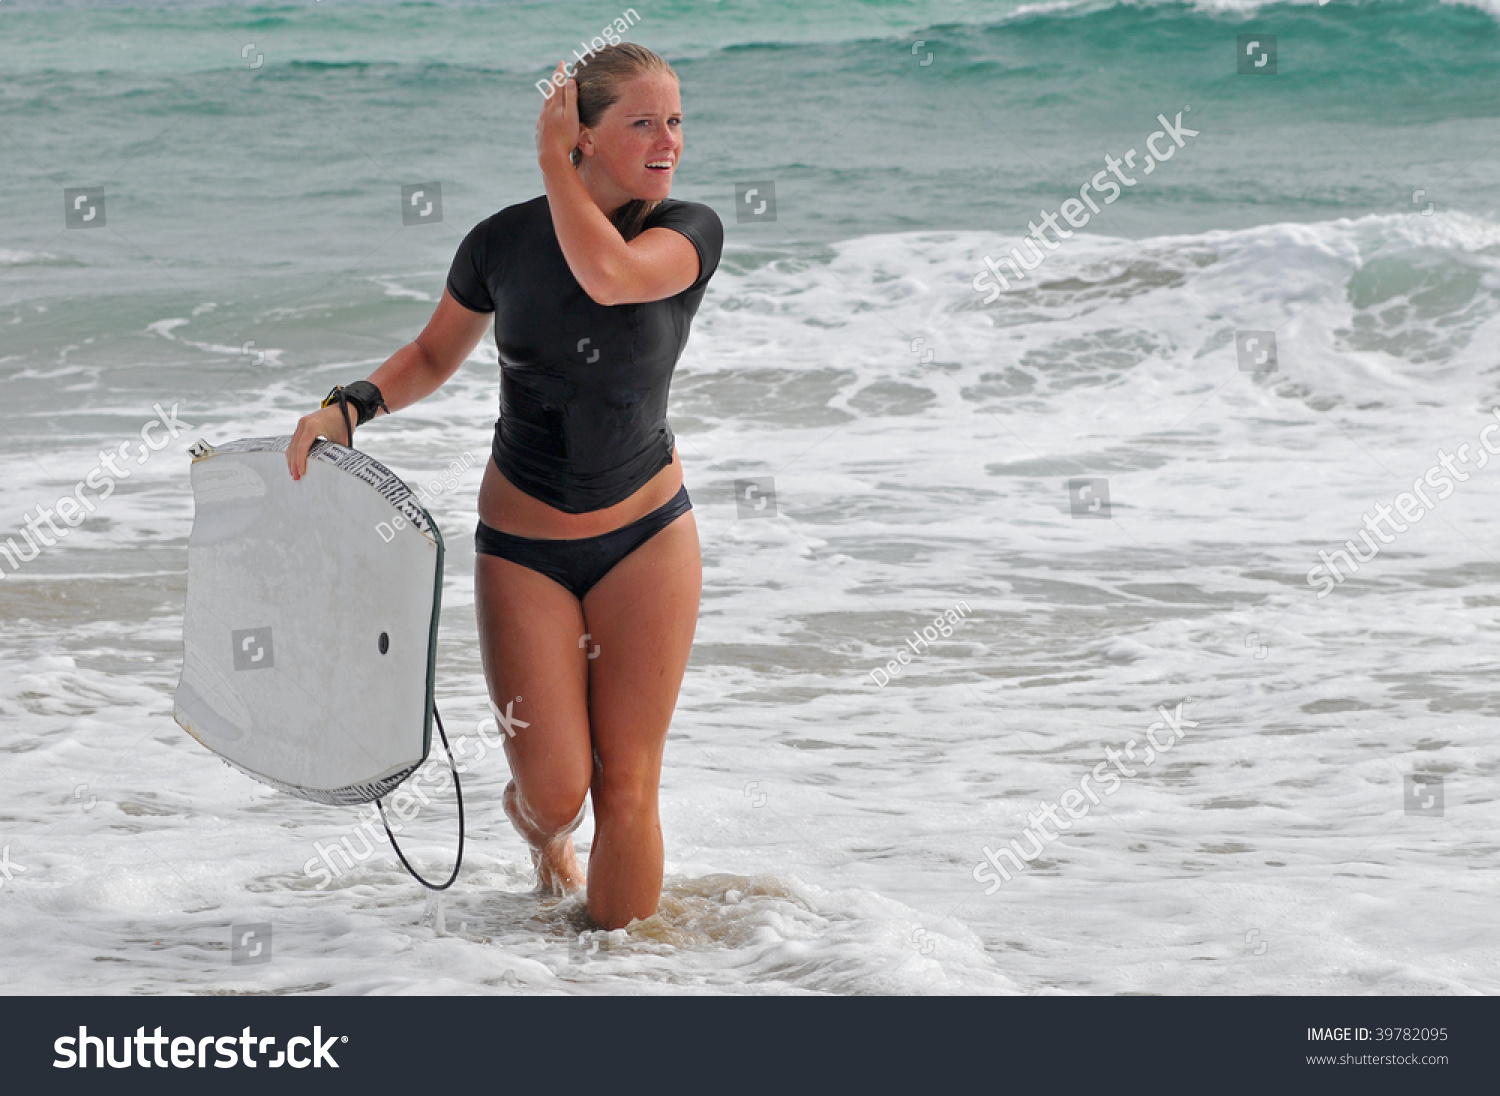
x=642, y=615
x=529, y=631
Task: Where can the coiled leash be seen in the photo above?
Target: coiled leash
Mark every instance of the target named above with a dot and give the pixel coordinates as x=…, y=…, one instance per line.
x=366, y=397
x=458, y=793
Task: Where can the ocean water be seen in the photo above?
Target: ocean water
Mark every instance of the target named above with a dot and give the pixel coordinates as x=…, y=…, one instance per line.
x=1325, y=820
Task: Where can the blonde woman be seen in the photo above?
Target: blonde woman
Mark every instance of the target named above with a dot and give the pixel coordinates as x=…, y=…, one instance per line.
x=588, y=570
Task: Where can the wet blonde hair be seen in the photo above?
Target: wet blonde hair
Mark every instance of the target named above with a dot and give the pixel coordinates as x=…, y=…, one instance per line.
x=599, y=82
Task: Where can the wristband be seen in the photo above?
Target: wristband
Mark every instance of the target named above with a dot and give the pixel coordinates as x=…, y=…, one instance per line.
x=364, y=396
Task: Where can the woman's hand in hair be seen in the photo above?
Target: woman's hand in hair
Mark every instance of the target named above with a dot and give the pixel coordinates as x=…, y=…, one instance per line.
x=557, y=127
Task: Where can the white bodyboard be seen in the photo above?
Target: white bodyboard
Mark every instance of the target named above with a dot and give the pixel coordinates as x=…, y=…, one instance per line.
x=310, y=630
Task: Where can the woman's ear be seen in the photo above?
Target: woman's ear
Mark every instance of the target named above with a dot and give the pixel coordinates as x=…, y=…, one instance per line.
x=585, y=144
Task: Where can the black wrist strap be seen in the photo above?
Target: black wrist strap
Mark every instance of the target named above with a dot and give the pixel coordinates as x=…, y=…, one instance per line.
x=365, y=397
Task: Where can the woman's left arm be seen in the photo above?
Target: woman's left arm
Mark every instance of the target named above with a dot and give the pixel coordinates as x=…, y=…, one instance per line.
x=658, y=263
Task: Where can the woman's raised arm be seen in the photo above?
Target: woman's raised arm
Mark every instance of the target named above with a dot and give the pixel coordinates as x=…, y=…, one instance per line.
x=657, y=264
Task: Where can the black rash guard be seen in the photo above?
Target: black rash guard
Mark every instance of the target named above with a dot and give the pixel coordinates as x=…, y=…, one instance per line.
x=583, y=386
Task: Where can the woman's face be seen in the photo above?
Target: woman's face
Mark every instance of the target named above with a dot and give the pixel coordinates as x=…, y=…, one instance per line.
x=637, y=144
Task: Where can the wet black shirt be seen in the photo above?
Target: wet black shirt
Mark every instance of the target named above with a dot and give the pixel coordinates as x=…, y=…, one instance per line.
x=583, y=386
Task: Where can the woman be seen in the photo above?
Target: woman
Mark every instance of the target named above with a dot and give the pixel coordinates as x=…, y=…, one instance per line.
x=588, y=570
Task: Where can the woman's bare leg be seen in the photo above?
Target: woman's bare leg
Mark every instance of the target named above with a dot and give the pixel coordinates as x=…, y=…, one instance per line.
x=642, y=615
x=528, y=641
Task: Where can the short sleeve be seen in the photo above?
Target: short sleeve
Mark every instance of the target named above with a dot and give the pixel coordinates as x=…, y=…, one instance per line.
x=466, y=276
x=701, y=225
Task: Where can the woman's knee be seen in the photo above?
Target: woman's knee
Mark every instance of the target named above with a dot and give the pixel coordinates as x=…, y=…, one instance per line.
x=624, y=796
x=555, y=809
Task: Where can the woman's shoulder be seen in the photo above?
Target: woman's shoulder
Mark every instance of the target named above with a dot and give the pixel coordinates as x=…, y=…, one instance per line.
x=681, y=207
x=699, y=222
x=484, y=256
x=515, y=217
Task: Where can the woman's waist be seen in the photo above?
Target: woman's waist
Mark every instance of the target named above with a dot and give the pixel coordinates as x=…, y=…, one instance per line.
x=519, y=490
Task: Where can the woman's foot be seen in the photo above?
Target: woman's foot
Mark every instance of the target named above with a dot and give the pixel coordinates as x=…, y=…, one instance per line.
x=558, y=872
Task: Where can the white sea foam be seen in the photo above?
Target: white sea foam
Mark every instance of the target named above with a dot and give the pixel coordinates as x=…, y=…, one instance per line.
x=1240, y=7
x=10, y=257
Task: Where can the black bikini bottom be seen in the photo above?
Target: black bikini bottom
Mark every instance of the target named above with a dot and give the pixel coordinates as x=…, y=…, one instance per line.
x=578, y=564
